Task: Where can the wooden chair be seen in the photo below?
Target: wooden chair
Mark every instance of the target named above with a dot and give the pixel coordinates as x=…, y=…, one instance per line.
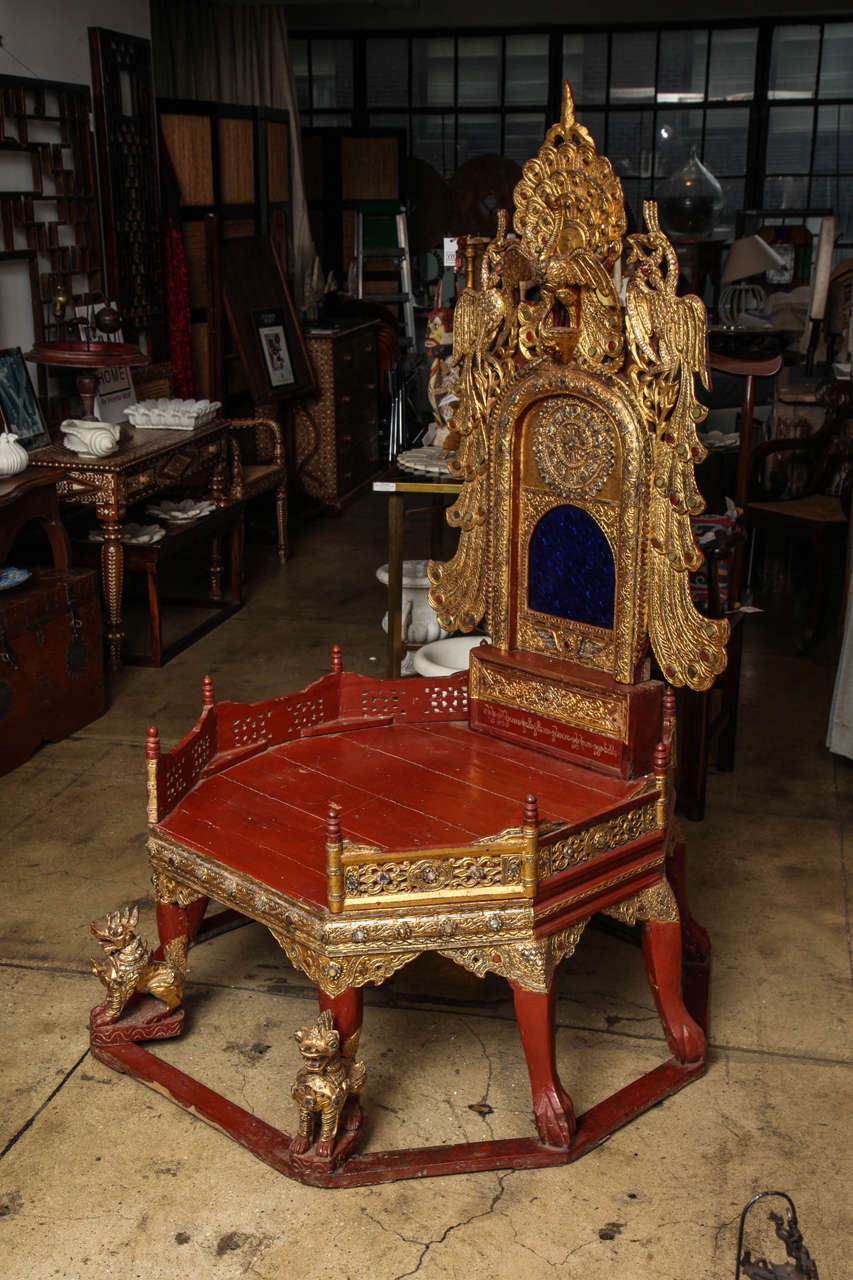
x=711, y=715
x=261, y=468
x=489, y=815
x=819, y=508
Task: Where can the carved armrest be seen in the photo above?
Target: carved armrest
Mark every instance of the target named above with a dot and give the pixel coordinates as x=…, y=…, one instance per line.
x=837, y=398
x=266, y=424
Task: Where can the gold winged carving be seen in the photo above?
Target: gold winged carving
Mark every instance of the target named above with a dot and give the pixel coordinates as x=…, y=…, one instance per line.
x=668, y=346
x=484, y=346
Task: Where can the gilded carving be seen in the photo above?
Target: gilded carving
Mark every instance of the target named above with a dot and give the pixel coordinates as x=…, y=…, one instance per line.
x=573, y=446
x=600, y=839
x=530, y=964
x=549, y=698
x=128, y=969
x=171, y=891
x=668, y=344
x=655, y=903
x=330, y=1074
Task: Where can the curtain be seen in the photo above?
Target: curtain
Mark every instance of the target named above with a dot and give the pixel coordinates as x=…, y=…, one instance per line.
x=235, y=53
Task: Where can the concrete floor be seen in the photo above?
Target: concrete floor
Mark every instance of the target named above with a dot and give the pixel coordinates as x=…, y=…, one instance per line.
x=101, y=1177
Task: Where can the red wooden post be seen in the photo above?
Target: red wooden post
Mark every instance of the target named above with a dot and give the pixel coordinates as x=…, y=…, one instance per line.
x=337, y=660
x=552, y=1106
x=207, y=696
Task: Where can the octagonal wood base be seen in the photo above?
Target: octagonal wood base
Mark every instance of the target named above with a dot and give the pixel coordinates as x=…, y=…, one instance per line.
x=123, y=1053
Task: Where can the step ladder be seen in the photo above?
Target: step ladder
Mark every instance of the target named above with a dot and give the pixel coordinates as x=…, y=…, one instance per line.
x=375, y=224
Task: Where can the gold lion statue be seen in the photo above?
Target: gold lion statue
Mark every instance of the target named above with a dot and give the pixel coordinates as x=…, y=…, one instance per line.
x=129, y=969
x=324, y=1083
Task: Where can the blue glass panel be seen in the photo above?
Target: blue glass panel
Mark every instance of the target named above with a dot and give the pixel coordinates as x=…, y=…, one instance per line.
x=570, y=570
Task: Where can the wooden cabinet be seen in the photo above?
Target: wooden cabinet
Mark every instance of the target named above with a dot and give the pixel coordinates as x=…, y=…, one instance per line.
x=335, y=430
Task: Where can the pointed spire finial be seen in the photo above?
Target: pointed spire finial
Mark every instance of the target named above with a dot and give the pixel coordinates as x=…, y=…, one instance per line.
x=567, y=115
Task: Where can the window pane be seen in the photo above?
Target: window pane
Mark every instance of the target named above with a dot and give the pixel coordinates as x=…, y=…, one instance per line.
x=629, y=143
x=478, y=136
x=387, y=73
x=789, y=139
x=596, y=123
x=681, y=66
x=632, y=66
x=299, y=62
x=676, y=132
x=432, y=72
x=432, y=141
x=331, y=73
x=585, y=66
x=785, y=193
x=479, y=71
x=834, y=143
x=390, y=120
x=634, y=203
x=793, y=62
x=332, y=120
x=836, y=61
x=732, y=72
x=726, y=132
x=526, y=69
x=733, y=195
x=523, y=135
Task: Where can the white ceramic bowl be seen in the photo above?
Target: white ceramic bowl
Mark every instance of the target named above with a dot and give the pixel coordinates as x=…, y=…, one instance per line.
x=445, y=657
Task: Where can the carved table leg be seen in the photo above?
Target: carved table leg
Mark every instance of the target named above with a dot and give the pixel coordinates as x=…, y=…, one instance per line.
x=552, y=1106
x=112, y=577
x=662, y=951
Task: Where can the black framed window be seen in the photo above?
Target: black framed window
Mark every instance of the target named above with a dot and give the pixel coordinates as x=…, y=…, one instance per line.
x=768, y=106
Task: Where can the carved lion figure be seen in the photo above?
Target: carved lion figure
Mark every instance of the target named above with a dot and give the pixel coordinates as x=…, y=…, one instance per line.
x=129, y=969
x=324, y=1083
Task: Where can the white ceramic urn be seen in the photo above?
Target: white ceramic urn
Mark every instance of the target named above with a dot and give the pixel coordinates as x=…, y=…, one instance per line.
x=420, y=625
x=13, y=456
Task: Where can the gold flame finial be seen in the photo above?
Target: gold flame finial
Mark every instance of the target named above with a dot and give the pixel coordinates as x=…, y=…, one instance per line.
x=567, y=115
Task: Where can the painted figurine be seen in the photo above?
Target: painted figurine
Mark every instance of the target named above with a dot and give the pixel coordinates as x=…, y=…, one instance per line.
x=323, y=1085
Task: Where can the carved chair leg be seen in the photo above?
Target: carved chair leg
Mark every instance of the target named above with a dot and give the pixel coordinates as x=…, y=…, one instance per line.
x=695, y=940
x=662, y=951
x=552, y=1106
x=177, y=926
x=347, y=1015
x=281, y=520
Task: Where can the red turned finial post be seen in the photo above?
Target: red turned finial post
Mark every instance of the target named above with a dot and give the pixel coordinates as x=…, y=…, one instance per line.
x=337, y=660
x=530, y=851
x=207, y=697
x=334, y=861
x=152, y=744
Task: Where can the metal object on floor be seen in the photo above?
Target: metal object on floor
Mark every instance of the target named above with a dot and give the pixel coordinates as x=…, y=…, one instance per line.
x=788, y=1231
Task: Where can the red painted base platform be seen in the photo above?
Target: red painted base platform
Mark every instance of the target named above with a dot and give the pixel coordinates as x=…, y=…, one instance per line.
x=117, y=1047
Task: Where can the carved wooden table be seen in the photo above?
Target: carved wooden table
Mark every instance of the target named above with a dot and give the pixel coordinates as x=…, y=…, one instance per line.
x=146, y=463
x=397, y=484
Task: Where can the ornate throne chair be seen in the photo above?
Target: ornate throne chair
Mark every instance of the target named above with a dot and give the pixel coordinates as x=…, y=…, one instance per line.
x=549, y=765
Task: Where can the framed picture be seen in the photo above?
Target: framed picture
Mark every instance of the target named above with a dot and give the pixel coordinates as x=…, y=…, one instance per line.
x=262, y=320
x=19, y=406
x=269, y=326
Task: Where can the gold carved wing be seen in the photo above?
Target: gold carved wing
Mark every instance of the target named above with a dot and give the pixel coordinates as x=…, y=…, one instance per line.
x=667, y=342
x=484, y=346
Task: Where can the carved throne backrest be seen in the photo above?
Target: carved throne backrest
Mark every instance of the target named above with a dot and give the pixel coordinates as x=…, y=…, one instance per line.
x=577, y=416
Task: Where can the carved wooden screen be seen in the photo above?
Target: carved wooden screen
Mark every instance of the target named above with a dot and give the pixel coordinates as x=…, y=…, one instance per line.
x=129, y=179
x=48, y=195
